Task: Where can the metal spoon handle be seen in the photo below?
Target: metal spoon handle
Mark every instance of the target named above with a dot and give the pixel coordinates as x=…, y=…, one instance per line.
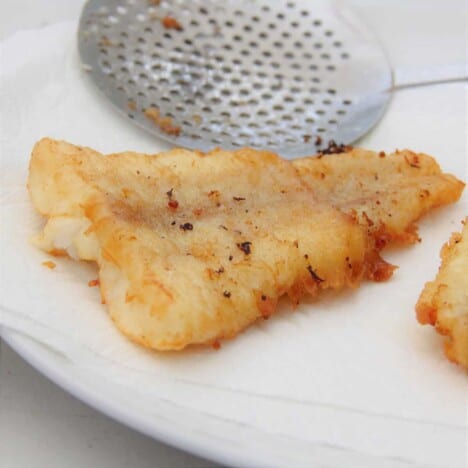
x=409, y=77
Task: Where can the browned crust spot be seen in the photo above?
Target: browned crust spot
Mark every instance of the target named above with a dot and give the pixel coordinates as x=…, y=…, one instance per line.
x=165, y=124
x=169, y=22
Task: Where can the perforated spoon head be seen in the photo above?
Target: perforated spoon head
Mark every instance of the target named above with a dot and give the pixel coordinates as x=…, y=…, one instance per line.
x=282, y=76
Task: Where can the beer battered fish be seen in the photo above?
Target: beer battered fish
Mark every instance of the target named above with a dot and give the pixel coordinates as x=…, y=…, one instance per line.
x=387, y=194
x=444, y=301
x=194, y=247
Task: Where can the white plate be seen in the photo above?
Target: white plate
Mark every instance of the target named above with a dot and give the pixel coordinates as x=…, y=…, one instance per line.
x=351, y=380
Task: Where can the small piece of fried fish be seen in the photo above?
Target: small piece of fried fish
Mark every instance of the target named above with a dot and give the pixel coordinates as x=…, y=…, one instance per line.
x=443, y=302
x=194, y=247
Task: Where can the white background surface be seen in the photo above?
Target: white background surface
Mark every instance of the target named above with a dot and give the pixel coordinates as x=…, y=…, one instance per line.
x=40, y=425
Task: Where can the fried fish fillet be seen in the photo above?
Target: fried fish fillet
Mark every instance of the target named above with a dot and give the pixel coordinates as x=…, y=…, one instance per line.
x=386, y=193
x=194, y=247
x=444, y=301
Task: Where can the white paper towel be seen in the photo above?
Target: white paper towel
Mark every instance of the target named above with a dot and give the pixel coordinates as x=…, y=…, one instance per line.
x=356, y=358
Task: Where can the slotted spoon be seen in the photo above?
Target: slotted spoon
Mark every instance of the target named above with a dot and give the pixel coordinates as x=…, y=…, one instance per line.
x=284, y=76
